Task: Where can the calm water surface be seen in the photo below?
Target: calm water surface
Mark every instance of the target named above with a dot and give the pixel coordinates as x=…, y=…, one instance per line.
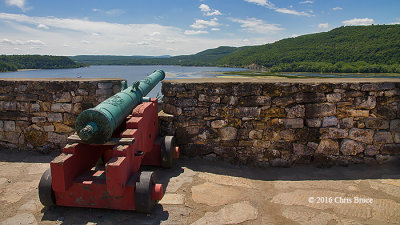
x=135, y=73
x=130, y=73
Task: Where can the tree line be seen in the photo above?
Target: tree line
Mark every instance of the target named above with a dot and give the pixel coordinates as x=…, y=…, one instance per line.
x=339, y=67
x=15, y=62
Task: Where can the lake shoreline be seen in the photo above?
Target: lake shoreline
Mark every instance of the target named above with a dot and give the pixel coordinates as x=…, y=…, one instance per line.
x=307, y=75
x=19, y=70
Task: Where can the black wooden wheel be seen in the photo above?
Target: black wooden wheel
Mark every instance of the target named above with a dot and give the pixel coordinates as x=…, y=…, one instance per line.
x=46, y=193
x=143, y=189
x=167, y=148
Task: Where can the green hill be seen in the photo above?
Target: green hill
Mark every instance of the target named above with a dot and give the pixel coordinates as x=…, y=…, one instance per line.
x=351, y=46
x=208, y=57
x=14, y=62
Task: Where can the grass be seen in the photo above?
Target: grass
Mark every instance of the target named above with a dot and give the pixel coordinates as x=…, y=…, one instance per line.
x=302, y=75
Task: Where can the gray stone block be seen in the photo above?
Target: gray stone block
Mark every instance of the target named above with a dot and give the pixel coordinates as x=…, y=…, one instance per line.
x=294, y=123
x=320, y=110
x=62, y=97
x=218, y=123
x=38, y=119
x=57, y=138
x=329, y=121
x=9, y=126
x=328, y=147
x=315, y=122
x=383, y=137
x=227, y=133
x=395, y=125
x=55, y=117
x=9, y=106
x=296, y=111
x=361, y=135
x=334, y=97
x=104, y=85
x=61, y=107
x=375, y=123
x=351, y=147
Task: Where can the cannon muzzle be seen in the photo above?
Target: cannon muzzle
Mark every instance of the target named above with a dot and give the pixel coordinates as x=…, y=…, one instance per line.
x=96, y=125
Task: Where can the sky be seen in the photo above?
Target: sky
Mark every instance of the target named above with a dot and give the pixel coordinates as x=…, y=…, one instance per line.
x=173, y=27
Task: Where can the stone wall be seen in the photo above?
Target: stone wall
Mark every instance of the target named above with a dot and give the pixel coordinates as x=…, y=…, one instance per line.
x=40, y=114
x=283, y=122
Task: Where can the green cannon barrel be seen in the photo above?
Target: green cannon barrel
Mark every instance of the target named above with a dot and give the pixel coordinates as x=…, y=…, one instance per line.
x=96, y=125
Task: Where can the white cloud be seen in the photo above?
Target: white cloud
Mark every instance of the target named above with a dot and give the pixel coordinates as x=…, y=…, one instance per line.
x=42, y=26
x=85, y=42
x=204, y=8
x=306, y=2
x=155, y=33
x=65, y=35
x=143, y=43
x=292, y=12
x=272, y=6
x=323, y=25
x=202, y=24
x=254, y=25
x=215, y=29
x=18, y=3
x=195, y=32
x=110, y=12
x=208, y=11
x=261, y=2
x=214, y=13
x=19, y=42
x=337, y=8
x=358, y=21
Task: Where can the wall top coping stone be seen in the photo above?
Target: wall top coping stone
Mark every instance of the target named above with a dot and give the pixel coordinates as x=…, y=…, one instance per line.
x=62, y=79
x=283, y=80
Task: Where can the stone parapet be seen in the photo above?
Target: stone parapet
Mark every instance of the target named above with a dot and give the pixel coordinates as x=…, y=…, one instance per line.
x=265, y=122
x=40, y=114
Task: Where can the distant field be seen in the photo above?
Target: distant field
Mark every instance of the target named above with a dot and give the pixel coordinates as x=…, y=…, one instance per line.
x=293, y=75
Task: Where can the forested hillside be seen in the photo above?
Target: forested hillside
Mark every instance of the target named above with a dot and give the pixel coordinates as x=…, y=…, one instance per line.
x=14, y=62
x=209, y=57
x=351, y=47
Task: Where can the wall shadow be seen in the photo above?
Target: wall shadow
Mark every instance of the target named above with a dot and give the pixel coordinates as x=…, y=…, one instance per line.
x=26, y=156
x=388, y=170
x=73, y=215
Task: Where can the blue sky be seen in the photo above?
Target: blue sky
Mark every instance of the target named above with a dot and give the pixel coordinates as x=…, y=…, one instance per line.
x=173, y=27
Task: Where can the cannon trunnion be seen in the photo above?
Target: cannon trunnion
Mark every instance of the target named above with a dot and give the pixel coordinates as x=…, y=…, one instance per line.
x=100, y=167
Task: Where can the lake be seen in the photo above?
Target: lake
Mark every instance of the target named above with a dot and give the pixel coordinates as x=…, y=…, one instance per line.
x=130, y=73
x=135, y=73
